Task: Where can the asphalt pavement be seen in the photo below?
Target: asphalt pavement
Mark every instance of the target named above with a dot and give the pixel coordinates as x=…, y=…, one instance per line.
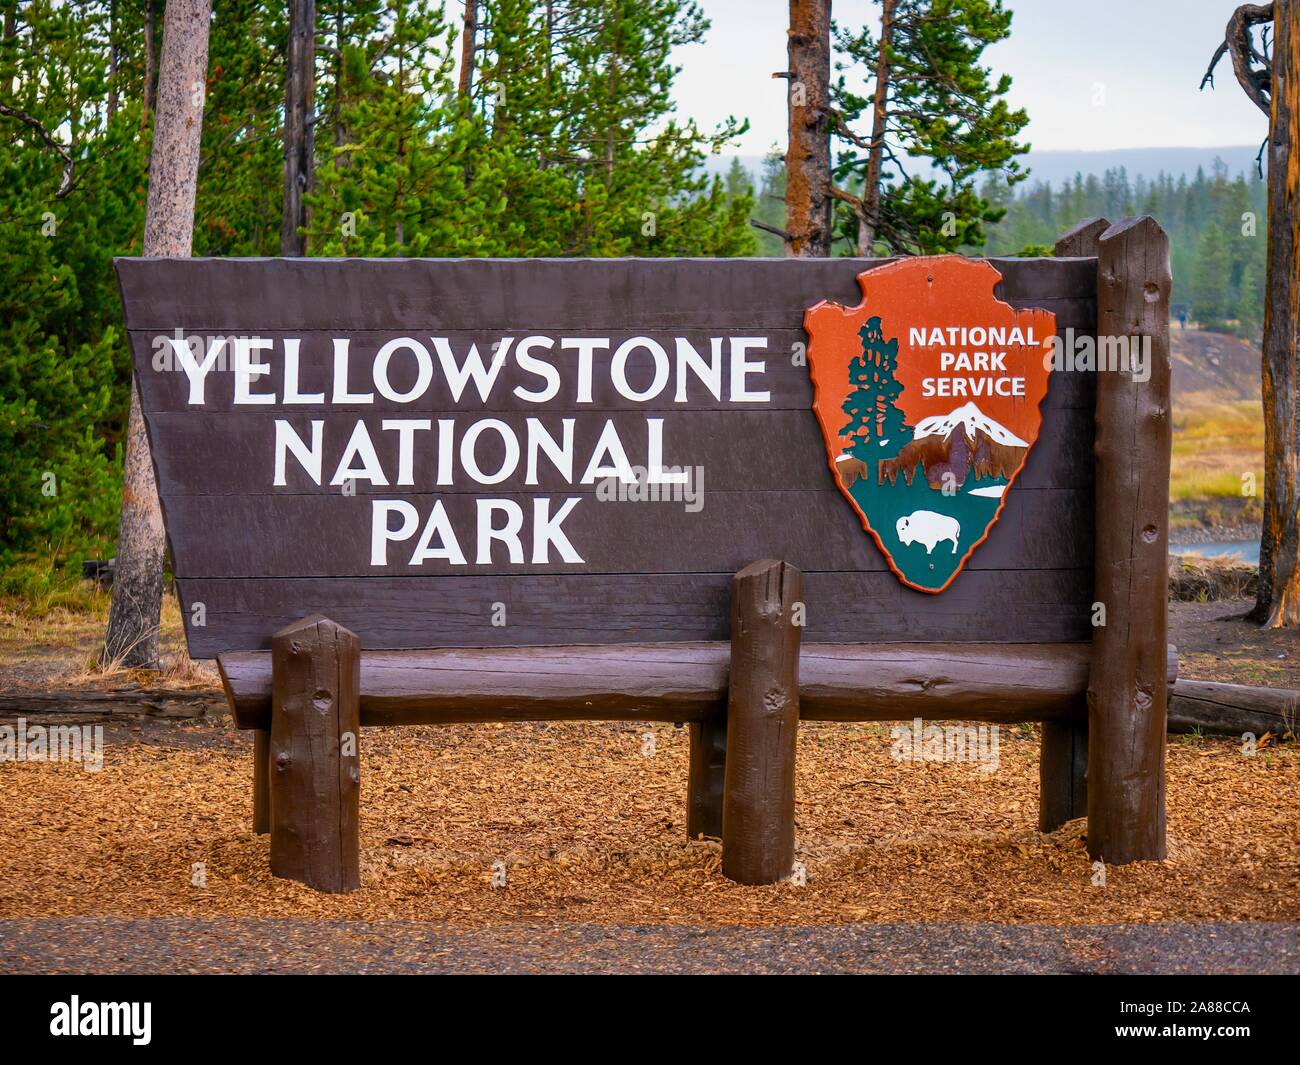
x=274, y=945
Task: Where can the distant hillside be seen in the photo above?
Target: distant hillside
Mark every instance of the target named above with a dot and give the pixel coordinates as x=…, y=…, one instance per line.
x=1056, y=167
x=1218, y=453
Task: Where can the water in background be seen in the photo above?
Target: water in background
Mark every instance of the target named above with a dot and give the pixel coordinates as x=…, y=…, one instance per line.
x=1246, y=550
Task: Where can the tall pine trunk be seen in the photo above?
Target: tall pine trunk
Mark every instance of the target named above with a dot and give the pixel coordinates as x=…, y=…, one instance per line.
x=869, y=220
x=808, y=155
x=132, y=633
x=114, y=54
x=1278, y=600
x=299, y=140
x=150, y=60
x=468, y=45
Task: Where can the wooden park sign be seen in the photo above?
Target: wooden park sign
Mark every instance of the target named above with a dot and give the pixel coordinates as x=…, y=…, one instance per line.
x=437, y=491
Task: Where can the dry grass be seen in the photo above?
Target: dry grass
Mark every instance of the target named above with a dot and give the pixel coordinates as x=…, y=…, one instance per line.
x=1216, y=443
x=1205, y=579
x=58, y=649
x=592, y=831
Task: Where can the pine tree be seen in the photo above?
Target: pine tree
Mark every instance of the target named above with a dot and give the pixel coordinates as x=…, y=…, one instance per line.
x=1211, y=279
x=769, y=206
x=239, y=199
x=931, y=99
x=70, y=199
x=872, y=405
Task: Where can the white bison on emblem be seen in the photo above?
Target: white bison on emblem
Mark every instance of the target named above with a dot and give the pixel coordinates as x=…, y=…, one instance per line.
x=929, y=528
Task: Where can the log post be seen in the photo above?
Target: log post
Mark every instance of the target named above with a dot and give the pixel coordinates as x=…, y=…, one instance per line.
x=314, y=765
x=1127, y=687
x=762, y=724
x=705, y=781
x=261, y=781
x=1063, y=753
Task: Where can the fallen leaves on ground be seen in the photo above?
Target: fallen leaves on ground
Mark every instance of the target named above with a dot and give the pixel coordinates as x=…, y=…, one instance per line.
x=589, y=829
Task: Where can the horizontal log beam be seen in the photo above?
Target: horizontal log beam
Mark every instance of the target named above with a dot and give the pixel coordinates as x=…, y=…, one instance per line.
x=688, y=682
x=86, y=706
x=1232, y=709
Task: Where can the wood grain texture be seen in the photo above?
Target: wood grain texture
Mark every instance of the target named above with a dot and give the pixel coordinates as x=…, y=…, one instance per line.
x=1233, y=709
x=167, y=390
x=814, y=528
x=1063, y=770
x=315, y=769
x=1081, y=239
x=262, y=778
x=227, y=525
x=722, y=442
x=762, y=724
x=687, y=682
x=1127, y=697
x=741, y=296
x=1277, y=601
x=705, y=776
x=1063, y=753
x=808, y=205
x=389, y=613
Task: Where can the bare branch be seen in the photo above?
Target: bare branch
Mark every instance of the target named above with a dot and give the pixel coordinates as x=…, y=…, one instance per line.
x=1256, y=81
x=65, y=186
x=856, y=202
x=1208, y=79
x=785, y=236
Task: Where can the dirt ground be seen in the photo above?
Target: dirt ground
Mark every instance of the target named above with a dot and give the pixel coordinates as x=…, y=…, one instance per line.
x=589, y=828
x=587, y=820
x=1215, y=643
x=58, y=651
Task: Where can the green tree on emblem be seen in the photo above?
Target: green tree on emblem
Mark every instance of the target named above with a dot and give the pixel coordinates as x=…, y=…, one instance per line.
x=874, y=415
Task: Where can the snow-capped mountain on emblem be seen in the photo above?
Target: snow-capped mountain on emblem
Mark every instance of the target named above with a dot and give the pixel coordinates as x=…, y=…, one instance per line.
x=930, y=374
x=973, y=419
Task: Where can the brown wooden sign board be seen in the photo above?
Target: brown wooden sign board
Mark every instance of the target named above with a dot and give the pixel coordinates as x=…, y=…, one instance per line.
x=420, y=503
x=422, y=491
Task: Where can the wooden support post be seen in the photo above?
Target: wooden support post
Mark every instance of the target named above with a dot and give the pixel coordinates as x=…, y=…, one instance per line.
x=704, y=783
x=1063, y=753
x=762, y=724
x=1062, y=773
x=1127, y=688
x=1081, y=239
x=314, y=767
x=261, y=781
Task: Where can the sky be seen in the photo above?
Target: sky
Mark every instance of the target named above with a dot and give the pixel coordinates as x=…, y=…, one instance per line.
x=1093, y=74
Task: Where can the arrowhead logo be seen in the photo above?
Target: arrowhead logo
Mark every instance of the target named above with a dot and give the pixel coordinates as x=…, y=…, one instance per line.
x=928, y=396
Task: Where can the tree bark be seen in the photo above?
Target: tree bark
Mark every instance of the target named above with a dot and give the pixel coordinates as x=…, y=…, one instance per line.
x=1063, y=758
x=299, y=139
x=808, y=154
x=1278, y=599
x=313, y=768
x=132, y=634
x=150, y=60
x=11, y=30
x=869, y=220
x=467, y=47
x=762, y=724
x=113, y=55
x=1129, y=678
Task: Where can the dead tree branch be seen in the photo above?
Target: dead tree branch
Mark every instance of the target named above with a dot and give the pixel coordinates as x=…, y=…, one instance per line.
x=65, y=186
x=1250, y=65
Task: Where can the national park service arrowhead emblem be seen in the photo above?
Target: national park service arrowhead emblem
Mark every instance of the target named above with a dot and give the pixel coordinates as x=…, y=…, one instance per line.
x=928, y=396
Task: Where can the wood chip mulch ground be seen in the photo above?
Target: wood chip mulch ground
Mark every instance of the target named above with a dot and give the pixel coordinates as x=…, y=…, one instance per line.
x=591, y=829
